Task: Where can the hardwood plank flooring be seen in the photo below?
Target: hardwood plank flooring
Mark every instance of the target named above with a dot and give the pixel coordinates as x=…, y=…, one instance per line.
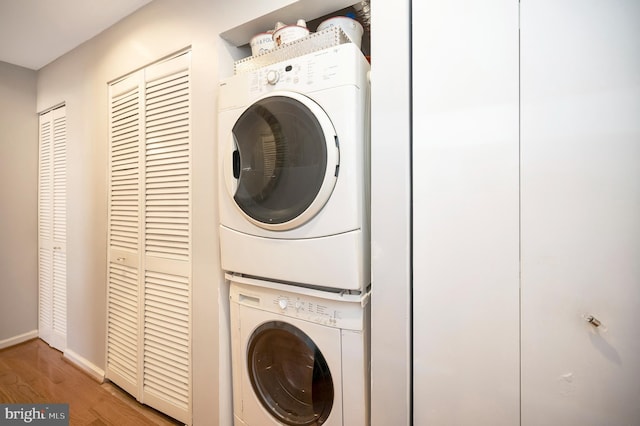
x=33, y=372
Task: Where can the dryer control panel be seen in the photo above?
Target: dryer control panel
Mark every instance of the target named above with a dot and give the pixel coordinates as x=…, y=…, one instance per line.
x=330, y=309
x=328, y=68
x=334, y=67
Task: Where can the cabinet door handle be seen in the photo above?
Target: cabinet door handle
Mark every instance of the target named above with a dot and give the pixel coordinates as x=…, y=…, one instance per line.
x=121, y=259
x=592, y=320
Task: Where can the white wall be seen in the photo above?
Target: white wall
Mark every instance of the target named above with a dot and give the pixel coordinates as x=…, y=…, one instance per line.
x=18, y=204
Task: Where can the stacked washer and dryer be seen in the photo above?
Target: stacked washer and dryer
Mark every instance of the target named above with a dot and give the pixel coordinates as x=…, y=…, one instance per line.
x=294, y=235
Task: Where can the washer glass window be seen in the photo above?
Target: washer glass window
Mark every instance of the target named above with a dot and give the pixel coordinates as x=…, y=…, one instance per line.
x=281, y=159
x=289, y=375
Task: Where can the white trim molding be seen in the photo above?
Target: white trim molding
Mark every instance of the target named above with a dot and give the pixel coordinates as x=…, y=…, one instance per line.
x=85, y=365
x=15, y=340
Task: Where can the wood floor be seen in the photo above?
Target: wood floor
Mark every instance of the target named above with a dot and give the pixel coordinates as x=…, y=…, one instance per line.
x=33, y=372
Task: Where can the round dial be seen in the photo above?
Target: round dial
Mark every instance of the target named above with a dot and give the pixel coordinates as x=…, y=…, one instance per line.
x=272, y=77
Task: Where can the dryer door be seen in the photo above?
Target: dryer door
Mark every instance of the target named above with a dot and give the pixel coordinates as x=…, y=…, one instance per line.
x=289, y=375
x=283, y=162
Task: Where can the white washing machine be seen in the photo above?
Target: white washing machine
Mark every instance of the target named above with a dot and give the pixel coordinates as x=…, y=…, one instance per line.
x=298, y=357
x=294, y=178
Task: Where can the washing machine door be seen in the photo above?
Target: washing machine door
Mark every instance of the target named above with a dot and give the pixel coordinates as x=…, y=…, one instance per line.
x=289, y=375
x=283, y=161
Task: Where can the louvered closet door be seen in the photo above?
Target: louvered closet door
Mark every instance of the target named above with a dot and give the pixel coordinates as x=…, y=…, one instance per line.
x=167, y=238
x=124, y=296
x=149, y=305
x=52, y=228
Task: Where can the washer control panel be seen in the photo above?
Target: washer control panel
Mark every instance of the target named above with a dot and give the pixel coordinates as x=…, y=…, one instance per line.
x=316, y=310
x=331, y=309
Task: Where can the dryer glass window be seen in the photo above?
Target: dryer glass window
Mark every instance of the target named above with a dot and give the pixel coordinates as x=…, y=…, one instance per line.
x=281, y=159
x=289, y=375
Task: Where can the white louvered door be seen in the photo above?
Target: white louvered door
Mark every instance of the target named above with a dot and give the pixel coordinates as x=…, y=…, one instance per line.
x=52, y=228
x=167, y=182
x=149, y=335
x=123, y=298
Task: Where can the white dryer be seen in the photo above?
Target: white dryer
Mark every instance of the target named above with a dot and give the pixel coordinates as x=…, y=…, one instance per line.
x=294, y=180
x=298, y=358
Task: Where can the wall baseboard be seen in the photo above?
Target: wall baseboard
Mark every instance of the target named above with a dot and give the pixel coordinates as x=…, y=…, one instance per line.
x=85, y=365
x=18, y=339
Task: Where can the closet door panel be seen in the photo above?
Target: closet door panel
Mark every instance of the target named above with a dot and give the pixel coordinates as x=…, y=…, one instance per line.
x=45, y=229
x=124, y=195
x=167, y=238
x=580, y=212
x=168, y=164
x=149, y=346
x=167, y=349
x=124, y=313
x=465, y=288
x=52, y=228
x=59, y=231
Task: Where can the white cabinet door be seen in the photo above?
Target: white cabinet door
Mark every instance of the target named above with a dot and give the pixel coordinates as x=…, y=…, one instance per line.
x=465, y=213
x=52, y=228
x=580, y=151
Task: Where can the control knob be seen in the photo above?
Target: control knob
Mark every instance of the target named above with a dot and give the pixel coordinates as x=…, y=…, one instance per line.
x=272, y=77
x=282, y=303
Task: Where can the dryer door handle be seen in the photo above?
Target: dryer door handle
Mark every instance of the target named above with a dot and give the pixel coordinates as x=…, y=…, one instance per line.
x=231, y=167
x=236, y=164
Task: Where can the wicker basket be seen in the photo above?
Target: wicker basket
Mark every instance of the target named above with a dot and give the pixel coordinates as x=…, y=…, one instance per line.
x=324, y=39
